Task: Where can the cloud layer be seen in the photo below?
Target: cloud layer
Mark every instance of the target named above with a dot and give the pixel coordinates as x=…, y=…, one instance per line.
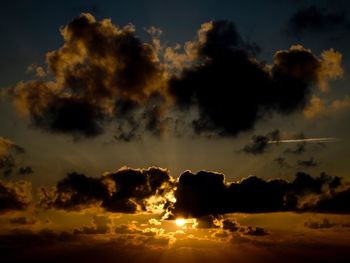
x=201, y=194
x=105, y=74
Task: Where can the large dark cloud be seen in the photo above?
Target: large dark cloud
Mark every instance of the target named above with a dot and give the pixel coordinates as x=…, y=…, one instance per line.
x=98, y=66
x=316, y=19
x=15, y=195
x=206, y=193
x=126, y=190
x=232, y=90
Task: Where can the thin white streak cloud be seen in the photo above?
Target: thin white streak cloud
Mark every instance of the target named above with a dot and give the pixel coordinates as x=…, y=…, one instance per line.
x=307, y=140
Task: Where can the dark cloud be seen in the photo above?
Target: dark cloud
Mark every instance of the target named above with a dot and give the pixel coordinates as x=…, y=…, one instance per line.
x=230, y=225
x=233, y=226
x=25, y=170
x=331, y=202
x=22, y=220
x=9, y=150
x=206, y=193
x=260, y=143
x=206, y=222
x=326, y=223
x=307, y=163
x=126, y=190
x=231, y=90
x=15, y=195
x=100, y=225
x=258, y=231
x=281, y=162
x=98, y=66
x=200, y=194
x=315, y=19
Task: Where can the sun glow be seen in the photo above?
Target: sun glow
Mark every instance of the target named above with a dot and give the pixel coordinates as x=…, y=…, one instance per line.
x=180, y=222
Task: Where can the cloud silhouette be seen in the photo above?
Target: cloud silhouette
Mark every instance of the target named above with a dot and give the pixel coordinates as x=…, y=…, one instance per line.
x=98, y=67
x=126, y=190
x=206, y=193
x=231, y=90
x=15, y=195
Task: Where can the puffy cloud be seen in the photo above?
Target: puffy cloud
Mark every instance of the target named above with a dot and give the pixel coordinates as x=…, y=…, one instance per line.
x=37, y=70
x=318, y=108
x=98, y=67
x=15, y=195
x=74, y=192
x=206, y=193
x=8, y=152
x=314, y=107
x=126, y=190
x=231, y=90
x=199, y=194
x=341, y=104
x=331, y=68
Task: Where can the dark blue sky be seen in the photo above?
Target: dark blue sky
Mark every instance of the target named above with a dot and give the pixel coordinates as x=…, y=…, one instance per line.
x=31, y=28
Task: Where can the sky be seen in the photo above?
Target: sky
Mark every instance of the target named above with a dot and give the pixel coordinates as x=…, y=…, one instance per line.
x=187, y=131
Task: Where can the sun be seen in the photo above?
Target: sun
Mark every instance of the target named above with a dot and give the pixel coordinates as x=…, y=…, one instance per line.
x=180, y=222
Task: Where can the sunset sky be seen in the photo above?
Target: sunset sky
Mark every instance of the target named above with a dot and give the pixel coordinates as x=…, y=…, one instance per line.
x=175, y=131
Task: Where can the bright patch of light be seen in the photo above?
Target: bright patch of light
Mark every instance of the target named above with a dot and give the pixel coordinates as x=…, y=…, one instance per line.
x=180, y=222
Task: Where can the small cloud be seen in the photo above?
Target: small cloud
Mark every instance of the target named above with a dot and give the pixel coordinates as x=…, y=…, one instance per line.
x=22, y=220
x=326, y=223
x=308, y=163
x=25, y=170
x=260, y=143
x=258, y=231
x=281, y=162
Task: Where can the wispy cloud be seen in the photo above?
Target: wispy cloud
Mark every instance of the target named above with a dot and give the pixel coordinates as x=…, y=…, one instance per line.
x=306, y=140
